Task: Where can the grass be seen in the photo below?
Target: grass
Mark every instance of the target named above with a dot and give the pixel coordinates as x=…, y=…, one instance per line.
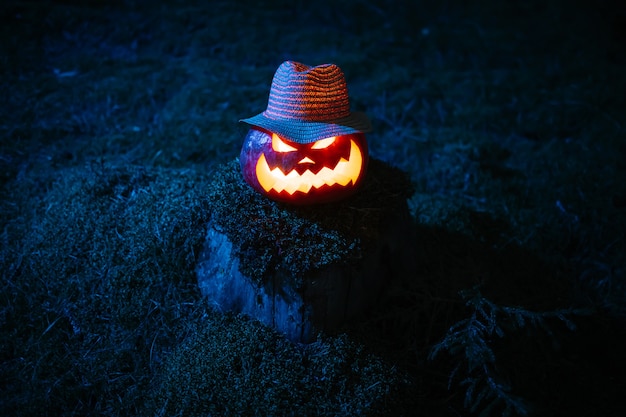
x=510, y=123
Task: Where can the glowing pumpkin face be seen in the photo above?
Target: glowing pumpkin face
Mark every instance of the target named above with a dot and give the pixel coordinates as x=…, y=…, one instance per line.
x=325, y=170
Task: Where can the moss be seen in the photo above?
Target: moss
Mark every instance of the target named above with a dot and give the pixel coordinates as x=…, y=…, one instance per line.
x=110, y=254
x=510, y=127
x=215, y=371
x=267, y=235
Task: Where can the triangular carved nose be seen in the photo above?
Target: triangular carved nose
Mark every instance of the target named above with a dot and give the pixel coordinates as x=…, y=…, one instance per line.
x=306, y=160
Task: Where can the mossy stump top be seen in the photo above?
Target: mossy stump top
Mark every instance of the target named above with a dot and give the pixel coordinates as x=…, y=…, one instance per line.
x=316, y=265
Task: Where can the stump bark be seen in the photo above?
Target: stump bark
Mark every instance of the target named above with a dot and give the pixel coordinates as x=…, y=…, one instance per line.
x=314, y=297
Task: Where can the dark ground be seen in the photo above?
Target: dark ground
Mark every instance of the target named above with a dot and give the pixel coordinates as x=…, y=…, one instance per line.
x=509, y=118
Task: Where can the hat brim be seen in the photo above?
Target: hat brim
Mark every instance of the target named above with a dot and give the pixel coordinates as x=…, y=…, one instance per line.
x=301, y=131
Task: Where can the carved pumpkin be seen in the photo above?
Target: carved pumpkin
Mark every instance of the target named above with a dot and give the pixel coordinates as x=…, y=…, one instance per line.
x=321, y=171
x=307, y=146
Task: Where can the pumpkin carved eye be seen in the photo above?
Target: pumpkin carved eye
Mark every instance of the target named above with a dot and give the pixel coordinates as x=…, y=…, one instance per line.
x=278, y=145
x=323, y=143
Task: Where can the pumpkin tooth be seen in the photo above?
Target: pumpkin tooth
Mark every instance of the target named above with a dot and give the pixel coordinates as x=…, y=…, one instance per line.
x=317, y=181
x=307, y=181
x=291, y=182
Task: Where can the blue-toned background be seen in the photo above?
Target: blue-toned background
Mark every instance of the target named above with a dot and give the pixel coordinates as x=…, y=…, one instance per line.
x=509, y=118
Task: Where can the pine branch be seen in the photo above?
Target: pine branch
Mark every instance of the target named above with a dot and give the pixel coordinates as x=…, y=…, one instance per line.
x=468, y=340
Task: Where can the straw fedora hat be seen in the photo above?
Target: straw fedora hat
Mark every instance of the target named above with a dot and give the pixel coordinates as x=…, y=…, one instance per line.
x=309, y=103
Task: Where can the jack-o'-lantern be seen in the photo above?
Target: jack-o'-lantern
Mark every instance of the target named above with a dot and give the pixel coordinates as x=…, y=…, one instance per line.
x=324, y=170
x=306, y=147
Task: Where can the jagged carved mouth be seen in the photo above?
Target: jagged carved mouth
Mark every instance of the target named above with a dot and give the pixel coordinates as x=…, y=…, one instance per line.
x=347, y=171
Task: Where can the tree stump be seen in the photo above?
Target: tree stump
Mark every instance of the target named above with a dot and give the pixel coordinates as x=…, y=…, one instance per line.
x=304, y=270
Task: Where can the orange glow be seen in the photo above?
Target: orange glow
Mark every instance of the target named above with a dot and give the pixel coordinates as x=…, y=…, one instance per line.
x=346, y=172
x=280, y=146
x=323, y=143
